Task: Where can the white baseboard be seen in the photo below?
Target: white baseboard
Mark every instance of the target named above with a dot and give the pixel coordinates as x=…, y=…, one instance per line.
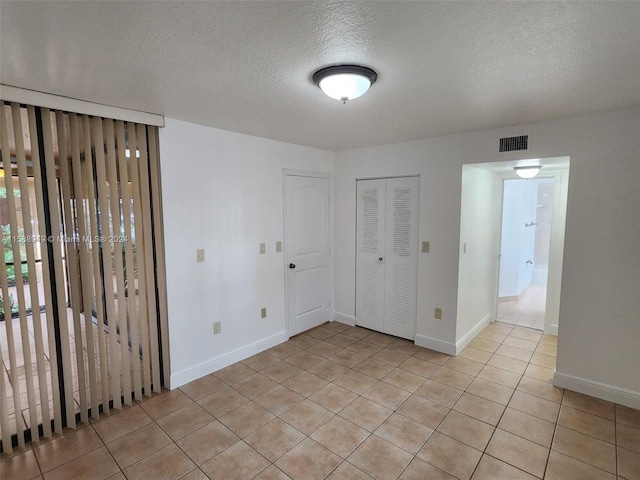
x=435, y=344
x=346, y=319
x=471, y=334
x=553, y=330
x=610, y=393
x=215, y=364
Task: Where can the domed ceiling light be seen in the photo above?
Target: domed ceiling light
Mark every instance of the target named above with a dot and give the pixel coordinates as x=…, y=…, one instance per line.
x=345, y=82
x=527, y=172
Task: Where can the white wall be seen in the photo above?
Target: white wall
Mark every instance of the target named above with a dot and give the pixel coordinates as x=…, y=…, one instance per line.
x=599, y=305
x=477, y=270
x=223, y=192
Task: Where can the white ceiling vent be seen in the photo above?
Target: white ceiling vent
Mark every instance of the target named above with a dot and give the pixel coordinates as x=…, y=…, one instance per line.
x=512, y=144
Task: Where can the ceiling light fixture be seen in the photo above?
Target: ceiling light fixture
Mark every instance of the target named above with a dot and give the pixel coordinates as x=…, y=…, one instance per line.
x=528, y=172
x=345, y=82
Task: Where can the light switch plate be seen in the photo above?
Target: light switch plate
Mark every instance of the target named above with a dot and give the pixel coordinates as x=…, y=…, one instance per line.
x=425, y=247
x=217, y=328
x=263, y=313
x=278, y=246
x=438, y=313
x=263, y=248
x=200, y=255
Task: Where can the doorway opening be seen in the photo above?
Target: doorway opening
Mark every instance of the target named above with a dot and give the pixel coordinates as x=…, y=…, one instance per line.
x=482, y=258
x=527, y=214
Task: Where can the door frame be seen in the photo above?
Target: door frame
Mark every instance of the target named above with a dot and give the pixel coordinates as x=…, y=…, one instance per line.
x=331, y=289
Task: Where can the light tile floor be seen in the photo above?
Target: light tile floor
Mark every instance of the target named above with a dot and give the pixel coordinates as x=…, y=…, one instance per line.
x=342, y=402
x=528, y=310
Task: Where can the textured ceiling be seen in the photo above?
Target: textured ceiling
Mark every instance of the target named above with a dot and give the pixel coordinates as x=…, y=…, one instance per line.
x=444, y=67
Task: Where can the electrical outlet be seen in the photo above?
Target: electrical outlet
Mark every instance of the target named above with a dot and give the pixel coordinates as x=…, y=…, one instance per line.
x=263, y=248
x=438, y=313
x=217, y=328
x=263, y=313
x=425, y=247
x=278, y=246
x=200, y=255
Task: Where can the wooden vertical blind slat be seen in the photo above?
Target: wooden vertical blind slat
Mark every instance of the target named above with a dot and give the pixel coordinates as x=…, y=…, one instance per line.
x=145, y=203
x=29, y=212
x=119, y=239
x=8, y=322
x=139, y=246
x=58, y=267
x=17, y=266
x=87, y=172
x=53, y=359
x=84, y=287
x=134, y=316
x=103, y=242
x=72, y=261
x=29, y=246
x=156, y=194
x=19, y=281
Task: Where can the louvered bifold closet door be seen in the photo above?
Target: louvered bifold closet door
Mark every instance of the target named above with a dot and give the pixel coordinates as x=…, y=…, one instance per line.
x=387, y=255
x=401, y=265
x=370, y=235
x=83, y=317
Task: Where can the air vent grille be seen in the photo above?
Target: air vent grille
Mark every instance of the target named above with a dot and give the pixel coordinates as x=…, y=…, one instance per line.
x=512, y=144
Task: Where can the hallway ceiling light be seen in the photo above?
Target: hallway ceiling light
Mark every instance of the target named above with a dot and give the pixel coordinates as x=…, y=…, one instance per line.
x=527, y=172
x=345, y=82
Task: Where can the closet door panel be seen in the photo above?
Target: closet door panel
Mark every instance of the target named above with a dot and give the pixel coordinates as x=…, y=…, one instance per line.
x=401, y=256
x=370, y=278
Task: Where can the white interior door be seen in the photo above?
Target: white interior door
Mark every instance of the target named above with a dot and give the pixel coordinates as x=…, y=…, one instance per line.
x=307, y=254
x=387, y=255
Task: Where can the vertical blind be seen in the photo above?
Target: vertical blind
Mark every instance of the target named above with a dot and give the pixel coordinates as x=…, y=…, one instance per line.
x=83, y=315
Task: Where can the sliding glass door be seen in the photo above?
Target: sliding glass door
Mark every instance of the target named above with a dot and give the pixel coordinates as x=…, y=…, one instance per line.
x=82, y=286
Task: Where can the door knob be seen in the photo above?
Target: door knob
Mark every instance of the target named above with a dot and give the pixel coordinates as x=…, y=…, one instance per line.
x=292, y=265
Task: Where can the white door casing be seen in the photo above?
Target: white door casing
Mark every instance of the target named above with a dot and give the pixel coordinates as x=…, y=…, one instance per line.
x=387, y=255
x=307, y=251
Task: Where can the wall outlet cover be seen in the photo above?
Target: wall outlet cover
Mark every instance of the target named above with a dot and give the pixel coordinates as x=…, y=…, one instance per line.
x=278, y=246
x=217, y=328
x=200, y=255
x=263, y=313
x=438, y=313
x=263, y=248
x=425, y=247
